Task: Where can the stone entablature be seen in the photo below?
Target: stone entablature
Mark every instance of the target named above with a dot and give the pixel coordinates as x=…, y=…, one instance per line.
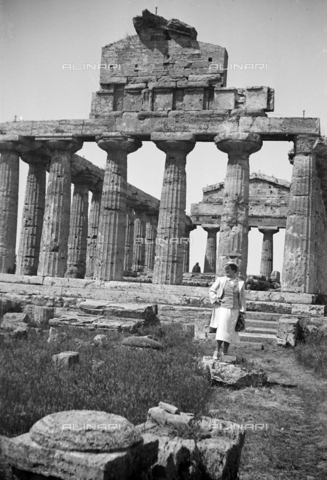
x=268, y=203
x=203, y=125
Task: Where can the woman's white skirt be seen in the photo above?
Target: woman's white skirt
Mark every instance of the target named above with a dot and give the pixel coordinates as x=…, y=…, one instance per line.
x=224, y=320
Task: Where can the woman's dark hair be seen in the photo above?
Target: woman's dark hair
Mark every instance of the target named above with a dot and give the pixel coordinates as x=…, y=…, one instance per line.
x=233, y=266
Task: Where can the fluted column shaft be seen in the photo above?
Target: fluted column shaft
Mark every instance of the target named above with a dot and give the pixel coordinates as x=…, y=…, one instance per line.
x=54, y=241
x=92, y=236
x=267, y=252
x=129, y=241
x=77, y=240
x=11, y=146
x=112, y=225
x=138, y=243
x=150, y=236
x=234, y=227
x=168, y=268
x=33, y=213
x=9, y=184
x=211, y=250
x=320, y=150
x=300, y=252
x=186, y=247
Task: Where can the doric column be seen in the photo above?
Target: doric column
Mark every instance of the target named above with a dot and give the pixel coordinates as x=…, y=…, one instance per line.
x=150, y=238
x=211, y=249
x=320, y=149
x=138, y=242
x=112, y=225
x=186, y=246
x=234, y=226
x=92, y=235
x=300, y=251
x=267, y=252
x=33, y=212
x=54, y=241
x=11, y=146
x=129, y=240
x=168, y=268
x=78, y=229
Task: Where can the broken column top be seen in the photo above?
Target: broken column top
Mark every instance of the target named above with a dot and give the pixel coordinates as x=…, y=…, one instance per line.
x=85, y=431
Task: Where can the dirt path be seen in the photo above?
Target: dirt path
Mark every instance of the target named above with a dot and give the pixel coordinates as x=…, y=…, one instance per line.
x=286, y=427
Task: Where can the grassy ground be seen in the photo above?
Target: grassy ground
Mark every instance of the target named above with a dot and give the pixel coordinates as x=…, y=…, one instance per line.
x=289, y=440
x=128, y=382
x=286, y=428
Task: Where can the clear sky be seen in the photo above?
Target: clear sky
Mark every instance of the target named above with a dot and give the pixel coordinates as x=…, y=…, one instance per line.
x=289, y=36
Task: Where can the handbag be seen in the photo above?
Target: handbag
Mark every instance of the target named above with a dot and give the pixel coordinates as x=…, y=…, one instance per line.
x=240, y=324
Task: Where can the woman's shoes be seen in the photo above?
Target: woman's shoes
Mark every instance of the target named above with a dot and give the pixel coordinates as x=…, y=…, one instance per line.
x=218, y=356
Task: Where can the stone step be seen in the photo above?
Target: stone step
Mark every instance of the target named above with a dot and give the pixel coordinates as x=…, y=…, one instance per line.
x=266, y=316
x=94, y=322
x=286, y=308
x=266, y=336
x=110, y=309
x=114, y=291
x=250, y=329
x=261, y=323
x=244, y=336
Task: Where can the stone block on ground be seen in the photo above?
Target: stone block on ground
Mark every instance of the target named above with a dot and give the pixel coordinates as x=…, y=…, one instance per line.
x=11, y=321
x=214, y=453
x=288, y=330
x=100, y=339
x=55, y=335
x=65, y=359
x=42, y=315
x=177, y=458
x=232, y=375
x=81, y=444
x=142, y=342
x=20, y=333
x=180, y=422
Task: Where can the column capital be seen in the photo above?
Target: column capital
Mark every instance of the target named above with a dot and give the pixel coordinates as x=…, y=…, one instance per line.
x=69, y=144
x=189, y=228
x=211, y=228
x=320, y=147
x=118, y=141
x=17, y=143
x=37, y=157
x=238, y=143
x=172, y=142
x=303, y=144
x=271, y=230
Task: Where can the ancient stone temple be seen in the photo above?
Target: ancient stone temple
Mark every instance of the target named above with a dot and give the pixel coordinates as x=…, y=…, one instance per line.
x=268, y=210
x=161, y=85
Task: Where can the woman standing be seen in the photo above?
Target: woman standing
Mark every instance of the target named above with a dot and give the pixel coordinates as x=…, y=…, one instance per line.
x=227, y=295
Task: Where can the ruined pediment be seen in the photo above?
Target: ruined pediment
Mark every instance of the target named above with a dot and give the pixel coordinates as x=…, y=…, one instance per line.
x=268, y=202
